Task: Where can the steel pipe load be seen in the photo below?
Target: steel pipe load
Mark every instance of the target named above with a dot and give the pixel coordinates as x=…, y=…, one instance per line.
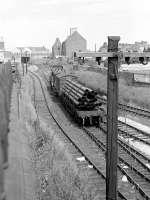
x=78, y=85
x=75, y=88
x=66, y=91
x=81, y=102
x=82, y=97
x=74, y=91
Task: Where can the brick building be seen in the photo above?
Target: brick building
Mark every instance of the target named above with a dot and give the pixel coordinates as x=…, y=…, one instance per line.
x=74, y=43
x=56, y=48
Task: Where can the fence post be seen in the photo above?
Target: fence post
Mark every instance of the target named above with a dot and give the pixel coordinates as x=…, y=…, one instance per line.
x=112, y=118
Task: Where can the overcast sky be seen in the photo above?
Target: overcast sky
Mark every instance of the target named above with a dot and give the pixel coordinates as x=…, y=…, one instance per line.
x=39, y=22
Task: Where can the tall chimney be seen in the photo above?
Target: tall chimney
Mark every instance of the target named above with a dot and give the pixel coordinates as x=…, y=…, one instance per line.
x=72, y=30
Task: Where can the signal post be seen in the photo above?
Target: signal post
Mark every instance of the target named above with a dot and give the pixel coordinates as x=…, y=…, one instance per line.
x=24, y=60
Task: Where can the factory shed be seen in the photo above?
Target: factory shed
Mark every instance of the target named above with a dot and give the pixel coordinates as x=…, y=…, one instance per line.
x=74, y=43
x=56, y=48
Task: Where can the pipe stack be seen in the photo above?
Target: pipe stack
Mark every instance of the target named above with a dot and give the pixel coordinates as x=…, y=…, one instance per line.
x=83, y=98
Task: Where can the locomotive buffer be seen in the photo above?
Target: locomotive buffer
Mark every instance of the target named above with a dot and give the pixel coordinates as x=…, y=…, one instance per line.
x=114, y=59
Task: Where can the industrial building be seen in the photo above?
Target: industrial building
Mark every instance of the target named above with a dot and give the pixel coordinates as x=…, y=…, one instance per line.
x=56, y=48
x=73, y=43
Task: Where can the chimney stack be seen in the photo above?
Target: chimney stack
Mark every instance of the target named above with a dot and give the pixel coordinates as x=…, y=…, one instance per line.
x=72, y=30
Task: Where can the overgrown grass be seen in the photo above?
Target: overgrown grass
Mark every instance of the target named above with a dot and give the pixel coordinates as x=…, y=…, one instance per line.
x=127, y=94
x=5, y=95
x=65, y=180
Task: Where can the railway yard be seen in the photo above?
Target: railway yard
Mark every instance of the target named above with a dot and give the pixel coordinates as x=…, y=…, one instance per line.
x=51, y=157
x=75, y=100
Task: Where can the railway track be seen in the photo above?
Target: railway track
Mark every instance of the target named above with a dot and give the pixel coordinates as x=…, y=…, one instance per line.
x=131, y=109
x=74, y=149
x=97, y=176
x=131, y=163
x=137, y=111
x=128, y=131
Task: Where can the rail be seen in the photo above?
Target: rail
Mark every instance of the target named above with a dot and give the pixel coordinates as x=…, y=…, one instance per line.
x=138, y=173
x=120, y=195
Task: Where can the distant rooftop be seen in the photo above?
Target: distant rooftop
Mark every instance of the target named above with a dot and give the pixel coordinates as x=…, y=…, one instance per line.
x=38, y=48
x=72, y=35
x=33, y=48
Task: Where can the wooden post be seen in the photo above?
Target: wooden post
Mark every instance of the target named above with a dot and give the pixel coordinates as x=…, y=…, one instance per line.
x=26, y=60
x=26, y=67
x=99, y=60
x=112, y=118
x=23, y=68
x=79, y=60
x=83, y=60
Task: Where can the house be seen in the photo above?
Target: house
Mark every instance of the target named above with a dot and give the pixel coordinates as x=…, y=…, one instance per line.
x=73, y=43
x=56, y=48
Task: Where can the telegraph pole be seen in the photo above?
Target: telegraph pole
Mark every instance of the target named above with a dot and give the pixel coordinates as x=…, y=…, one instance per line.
x=114, y=57
x=112, y=118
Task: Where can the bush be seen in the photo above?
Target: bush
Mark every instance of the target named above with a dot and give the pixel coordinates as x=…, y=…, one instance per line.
x=5, y=94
